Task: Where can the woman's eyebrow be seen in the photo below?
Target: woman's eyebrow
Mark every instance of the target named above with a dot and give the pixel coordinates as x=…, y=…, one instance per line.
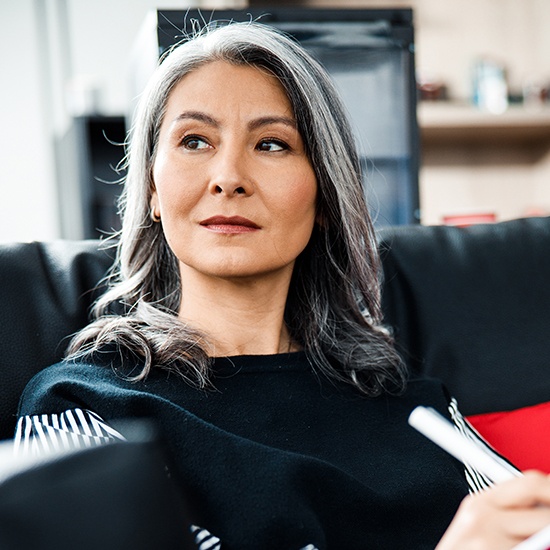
x=266, y=120
x=252, y=125
x=197, y=115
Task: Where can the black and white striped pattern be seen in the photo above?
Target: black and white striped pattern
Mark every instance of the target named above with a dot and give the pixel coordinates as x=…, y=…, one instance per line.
x=50, y=433
x=204, y=539
x=476, y=480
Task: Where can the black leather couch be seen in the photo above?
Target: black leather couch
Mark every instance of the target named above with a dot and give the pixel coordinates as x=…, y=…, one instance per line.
x=468, y=305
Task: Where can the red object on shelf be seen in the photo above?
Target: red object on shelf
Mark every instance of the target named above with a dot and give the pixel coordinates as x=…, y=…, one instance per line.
x=463, y=220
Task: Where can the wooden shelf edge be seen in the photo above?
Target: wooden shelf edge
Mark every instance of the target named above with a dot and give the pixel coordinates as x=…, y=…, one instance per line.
x=461, y=122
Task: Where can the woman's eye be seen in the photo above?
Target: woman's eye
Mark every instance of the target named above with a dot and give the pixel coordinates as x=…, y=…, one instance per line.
x=271, y=145
x=195, y=143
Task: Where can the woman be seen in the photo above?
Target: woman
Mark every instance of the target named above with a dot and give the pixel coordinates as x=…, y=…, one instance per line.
x=251, y=330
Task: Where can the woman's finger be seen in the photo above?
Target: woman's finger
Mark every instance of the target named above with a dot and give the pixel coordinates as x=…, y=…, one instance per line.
x=532, y=489
x=502, y=516
x=521, y=524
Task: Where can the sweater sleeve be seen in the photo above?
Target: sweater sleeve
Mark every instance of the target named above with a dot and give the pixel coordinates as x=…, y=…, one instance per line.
x=41, y=433
x=59, y=388
x=57, y=411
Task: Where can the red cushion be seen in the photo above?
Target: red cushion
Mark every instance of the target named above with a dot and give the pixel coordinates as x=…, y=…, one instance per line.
x=522, y=436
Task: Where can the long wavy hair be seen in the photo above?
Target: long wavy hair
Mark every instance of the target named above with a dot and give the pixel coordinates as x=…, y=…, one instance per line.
x=333, y=307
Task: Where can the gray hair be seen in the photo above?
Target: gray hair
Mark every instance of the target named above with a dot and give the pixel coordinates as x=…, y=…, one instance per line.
x=333, y=308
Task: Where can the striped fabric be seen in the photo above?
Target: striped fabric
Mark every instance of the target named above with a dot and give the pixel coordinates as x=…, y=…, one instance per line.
x=49, y=433
x=205, y=540
x=476, y=481
x=77, y=428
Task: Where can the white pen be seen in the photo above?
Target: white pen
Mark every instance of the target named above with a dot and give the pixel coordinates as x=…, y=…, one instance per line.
x=437, y=428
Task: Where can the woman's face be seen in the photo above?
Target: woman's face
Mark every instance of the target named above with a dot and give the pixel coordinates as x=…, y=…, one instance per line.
x=234, y=188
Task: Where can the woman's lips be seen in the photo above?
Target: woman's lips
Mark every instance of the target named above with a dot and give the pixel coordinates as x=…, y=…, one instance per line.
x=233, y=224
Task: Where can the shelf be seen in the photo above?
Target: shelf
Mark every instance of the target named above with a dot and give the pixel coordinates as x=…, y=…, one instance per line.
x=447, y=123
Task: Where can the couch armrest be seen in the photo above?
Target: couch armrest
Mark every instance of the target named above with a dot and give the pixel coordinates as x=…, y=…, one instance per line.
x=45, y=291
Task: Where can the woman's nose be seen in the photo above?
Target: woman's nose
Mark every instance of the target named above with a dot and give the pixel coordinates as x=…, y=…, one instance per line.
x=229, y=174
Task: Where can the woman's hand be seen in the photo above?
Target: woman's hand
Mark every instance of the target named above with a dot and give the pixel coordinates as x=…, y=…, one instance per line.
x=502, y=516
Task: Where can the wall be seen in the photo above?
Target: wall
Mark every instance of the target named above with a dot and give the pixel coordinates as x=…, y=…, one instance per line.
x=500, y=174
x=28, y=207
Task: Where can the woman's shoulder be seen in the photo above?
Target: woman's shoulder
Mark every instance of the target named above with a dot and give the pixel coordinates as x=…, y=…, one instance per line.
x=73, y=371
x=65, y=384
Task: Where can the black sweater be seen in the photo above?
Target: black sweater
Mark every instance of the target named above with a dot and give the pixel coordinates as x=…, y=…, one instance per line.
x=278, y=457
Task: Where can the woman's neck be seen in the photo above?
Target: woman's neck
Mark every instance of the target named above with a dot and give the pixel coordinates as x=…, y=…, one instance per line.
x=238, y=316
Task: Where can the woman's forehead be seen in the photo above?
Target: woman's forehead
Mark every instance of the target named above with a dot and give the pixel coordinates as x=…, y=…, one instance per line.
x=220, y=86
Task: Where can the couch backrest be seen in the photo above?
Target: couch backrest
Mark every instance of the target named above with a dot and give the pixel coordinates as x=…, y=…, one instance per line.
x=470, y=306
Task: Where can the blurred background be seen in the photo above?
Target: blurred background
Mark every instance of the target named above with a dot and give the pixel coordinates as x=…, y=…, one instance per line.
x=69, y=78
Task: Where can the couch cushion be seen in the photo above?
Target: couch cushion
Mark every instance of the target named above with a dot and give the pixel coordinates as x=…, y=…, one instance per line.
x=521, y=435
x=471, y=306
